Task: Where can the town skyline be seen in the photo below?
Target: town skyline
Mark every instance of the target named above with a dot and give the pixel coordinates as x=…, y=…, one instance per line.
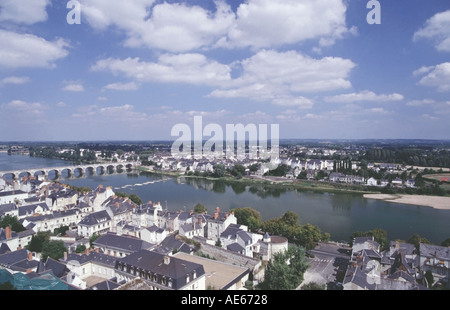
x=132, y=71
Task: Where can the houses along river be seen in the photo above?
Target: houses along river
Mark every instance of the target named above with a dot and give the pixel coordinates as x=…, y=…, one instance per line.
x=339, y=214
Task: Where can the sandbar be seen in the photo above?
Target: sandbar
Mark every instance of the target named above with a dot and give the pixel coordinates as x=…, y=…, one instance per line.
x=437, y=202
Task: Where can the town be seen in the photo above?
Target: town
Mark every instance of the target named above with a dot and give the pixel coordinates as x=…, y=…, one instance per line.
x=100, y=240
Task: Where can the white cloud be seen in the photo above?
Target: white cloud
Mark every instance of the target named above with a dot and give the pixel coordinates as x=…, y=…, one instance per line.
x=437, y=76
x=184, y=68
x=291, y=21
x=364, y=96
x=174, y=27
x=122, y=86
x=61, y=104
x=430, y=117
x=26, y=107
x=24, y=11
x=282, y=76
x=300, y=102
x=179, y=27
x=422, y=70
x=15, y=80
x=417, y=103
x=124, y=114
x=27, y=50
x=437, y=28
x=74, y=87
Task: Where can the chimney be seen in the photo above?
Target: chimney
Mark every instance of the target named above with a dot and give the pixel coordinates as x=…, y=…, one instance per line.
x=150, y=202
x=166, y=260
x=200, y=220
x=86, y=251
x=30, y=256
x=8, y=232
x=117, y=205
x=216, y=215
x=397, y=244
x=65, y=256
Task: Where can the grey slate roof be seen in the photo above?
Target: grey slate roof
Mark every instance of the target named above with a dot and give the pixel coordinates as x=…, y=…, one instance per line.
x=18, y=261
x=106, y=285
x=99, y=258
x=29, y=210
x=231, y=232
x=440, y=252
x=57, y=268
x=7, y=208
x=123, y=242
x=4, y=248
x=171, y=243
x=235, y=247
x=176, y=269
x=95, y=218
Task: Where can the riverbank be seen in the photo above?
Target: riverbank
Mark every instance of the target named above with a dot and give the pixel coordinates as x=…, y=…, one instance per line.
x=272, y=181
x=437, y=202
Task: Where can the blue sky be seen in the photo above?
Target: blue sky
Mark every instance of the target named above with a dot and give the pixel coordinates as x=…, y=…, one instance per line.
x=132, y=70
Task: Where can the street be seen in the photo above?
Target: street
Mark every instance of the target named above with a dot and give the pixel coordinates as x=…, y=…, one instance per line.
x=329, y=260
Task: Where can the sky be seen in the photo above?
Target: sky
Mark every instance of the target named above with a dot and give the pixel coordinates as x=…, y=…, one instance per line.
x=133, y=70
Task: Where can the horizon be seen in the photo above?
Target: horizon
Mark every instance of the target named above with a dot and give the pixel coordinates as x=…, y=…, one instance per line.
x=131, y=71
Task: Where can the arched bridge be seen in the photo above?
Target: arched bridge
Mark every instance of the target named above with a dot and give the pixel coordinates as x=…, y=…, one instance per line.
x=98, y=169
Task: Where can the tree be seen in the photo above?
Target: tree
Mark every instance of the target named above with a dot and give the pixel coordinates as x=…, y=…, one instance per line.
x=219, y=170
x=200, y=209
x=61, y=230
x=286, y=269
x=417, y=240
x=54, y=249
x=37, y=241
x=379, y=235
x=238, y=170
x=290, y=218
x=248, y=217
x=313, y=286
x=80, y=248
x=429, y=277
x=13, y=221
x=92, y=239
x=446, y=242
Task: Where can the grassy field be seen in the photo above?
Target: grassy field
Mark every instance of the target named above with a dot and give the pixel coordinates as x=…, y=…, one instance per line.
x=445, y=177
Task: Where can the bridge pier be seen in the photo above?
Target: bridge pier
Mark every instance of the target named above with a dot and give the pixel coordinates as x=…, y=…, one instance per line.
x=94, y=169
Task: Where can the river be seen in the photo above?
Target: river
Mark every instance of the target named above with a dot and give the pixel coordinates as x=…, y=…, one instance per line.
x=339, y=214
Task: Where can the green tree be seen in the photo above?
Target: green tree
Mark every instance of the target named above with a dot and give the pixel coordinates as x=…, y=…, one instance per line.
x=446, y=242
x=238, y=170
x=61, y=230
x=313, y=286
x=54, y=249
x=417, y=240
x=200, y=208
x=80, y=248
x=248, y=217
x=219, y=170
x=13, y=221
x=290, y=218
x=37, y=241
x=379, y=235
x=92, y=239
x=286, y=269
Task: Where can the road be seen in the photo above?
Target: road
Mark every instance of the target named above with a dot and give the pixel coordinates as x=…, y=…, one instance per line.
x=329, y=259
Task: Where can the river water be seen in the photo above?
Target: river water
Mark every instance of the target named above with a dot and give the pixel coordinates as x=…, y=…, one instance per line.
x=339, y=214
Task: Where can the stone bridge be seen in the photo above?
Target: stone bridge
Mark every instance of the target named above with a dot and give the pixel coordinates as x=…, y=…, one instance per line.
x=98, y=169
